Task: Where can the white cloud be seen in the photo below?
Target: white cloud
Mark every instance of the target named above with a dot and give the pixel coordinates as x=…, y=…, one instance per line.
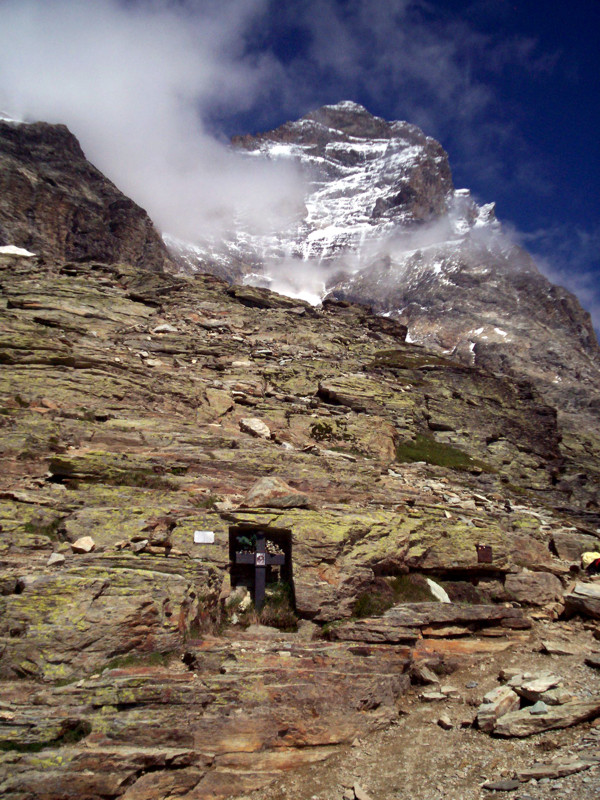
x=140, y=82
x=136, y=84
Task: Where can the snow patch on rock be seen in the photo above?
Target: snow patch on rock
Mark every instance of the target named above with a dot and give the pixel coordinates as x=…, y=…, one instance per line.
x=13, y=250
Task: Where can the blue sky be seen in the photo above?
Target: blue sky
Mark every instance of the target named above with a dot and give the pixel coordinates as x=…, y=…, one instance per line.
x=153, y=88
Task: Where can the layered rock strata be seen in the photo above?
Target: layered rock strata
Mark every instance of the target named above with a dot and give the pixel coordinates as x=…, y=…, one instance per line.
x=124, y=396
x=383, y=225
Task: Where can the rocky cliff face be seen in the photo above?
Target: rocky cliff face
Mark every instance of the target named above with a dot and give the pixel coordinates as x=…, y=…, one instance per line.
x=367, y=176
x=381, y=208
x=56, y=204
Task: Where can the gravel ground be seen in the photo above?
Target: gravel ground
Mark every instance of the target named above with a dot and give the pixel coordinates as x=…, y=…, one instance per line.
x=415, y=758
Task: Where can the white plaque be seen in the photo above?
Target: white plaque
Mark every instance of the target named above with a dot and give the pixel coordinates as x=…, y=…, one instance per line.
x=204, y=537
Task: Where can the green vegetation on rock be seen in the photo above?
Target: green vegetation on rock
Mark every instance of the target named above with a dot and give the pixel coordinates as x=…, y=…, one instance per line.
x=427, y=449
x=408, y=358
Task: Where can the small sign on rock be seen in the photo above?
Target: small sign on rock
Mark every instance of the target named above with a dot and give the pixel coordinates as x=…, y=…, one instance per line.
x=204, y=537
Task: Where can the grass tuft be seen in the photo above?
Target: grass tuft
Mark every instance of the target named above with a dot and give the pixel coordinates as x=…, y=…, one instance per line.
x=410, y=588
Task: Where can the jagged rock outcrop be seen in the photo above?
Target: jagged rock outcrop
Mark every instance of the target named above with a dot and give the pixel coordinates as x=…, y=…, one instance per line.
x=382, y=196
x=365, y=176
x=56, y=204
x=368, y=174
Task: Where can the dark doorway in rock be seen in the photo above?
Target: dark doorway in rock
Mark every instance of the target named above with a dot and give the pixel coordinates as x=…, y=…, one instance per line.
x=261, y=559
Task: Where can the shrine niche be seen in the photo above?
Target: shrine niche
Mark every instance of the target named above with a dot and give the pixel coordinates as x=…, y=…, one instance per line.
x=260, y=558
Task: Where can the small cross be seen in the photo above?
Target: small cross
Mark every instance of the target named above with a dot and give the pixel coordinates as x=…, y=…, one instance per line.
x=260, y=559
x=260, y=571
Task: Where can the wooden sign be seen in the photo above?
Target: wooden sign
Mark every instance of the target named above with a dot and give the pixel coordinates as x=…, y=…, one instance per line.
x=484, y=553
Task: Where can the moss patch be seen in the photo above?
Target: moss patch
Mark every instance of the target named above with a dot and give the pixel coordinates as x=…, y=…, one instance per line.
x=408, y=359
x=411, y=589
x=399, y=589
x=371, y=604
x=140, y=660
x=426, y=448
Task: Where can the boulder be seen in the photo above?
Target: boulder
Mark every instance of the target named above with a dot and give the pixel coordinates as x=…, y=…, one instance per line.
x=533, y=588
x=495, y=704
x=584, y=599
x=359, y=793
x=421, y=673
x=373, y=630
x=524, y=723
x=408, y=621
x=421, y=614
x=219, y=401
x=255, y=427
x=559, y=769
x=571, y=545
x=432, y=696
x=508, y=785
x=539, y=708
x=258, y=297
x=533, y=688
x=554, y=647
x=83, y=545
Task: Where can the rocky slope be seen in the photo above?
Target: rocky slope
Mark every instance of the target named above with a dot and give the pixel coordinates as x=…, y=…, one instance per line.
x=55, y=203
x=138, y=408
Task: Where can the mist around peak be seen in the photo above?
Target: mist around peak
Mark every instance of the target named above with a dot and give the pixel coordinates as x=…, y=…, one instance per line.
x=432, y=246
x=153, y=89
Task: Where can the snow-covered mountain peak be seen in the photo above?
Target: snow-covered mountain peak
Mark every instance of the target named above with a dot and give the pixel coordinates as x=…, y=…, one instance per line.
x=375, y=190
x=367, y=180
x=347, y=105
x=383, y=225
